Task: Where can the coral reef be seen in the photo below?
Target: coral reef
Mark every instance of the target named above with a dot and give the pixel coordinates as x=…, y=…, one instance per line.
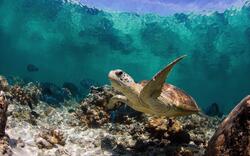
x=4, y=103
x=160, y=135
x=4, y=85
x=53, y=94
x=87, y=83
x=3, y=113
x=73, y=89
x=233, y=135
x=89, y=128
x=92, y=111
x=140, y=134
x=4, y=146
x=26, y=95
x=49, y=138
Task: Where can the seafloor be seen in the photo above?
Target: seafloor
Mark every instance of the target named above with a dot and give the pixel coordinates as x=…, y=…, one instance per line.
x=36, y=126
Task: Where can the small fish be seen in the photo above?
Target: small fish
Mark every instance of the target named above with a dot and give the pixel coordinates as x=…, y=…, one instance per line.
x=32, y=68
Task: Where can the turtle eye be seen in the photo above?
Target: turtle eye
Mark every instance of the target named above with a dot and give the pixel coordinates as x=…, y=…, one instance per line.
x=118, y=73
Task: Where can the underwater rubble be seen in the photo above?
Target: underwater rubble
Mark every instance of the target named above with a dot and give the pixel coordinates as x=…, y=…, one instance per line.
x=49, y=138
x=35, y=127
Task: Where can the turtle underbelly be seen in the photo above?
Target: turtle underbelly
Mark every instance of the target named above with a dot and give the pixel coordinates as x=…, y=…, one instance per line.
x=141, y=108
x=154, y=107
x=162, y=108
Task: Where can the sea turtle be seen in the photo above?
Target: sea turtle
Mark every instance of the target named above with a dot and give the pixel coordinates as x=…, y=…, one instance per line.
x=152, y=97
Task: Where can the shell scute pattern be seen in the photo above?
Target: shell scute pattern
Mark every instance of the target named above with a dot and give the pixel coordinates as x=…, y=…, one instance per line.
x=173, y=95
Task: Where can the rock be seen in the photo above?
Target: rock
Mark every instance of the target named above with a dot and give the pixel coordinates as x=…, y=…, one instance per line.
x=26, y=95
x=20, y=143
x=92, y=116
x=42, y=143
x=181, y=137
x=92, y=111
x=139, y=133
x=22, y=113
x=61, y=152
x=72, y=88
x=87, y=83
x=108, y=142
x=52, y=94
x=121, y=130
x=213, y=110
x=167, y=129
x=32, y=68
x=4, y=85
x=200, y=127
x=233, y=135
x=49, y=138
x=4, y=146
x=3, y=113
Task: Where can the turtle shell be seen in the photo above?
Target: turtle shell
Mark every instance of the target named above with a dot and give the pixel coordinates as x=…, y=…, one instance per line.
x=175, y=96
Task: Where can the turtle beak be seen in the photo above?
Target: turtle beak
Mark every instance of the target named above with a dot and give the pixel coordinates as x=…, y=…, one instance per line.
x=113, y=78
x=111, y=75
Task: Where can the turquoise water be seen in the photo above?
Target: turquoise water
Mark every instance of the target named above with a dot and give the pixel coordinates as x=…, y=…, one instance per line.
x=71, y=43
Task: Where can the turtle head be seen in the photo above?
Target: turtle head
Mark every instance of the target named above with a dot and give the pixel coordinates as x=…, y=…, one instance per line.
x=121, y=81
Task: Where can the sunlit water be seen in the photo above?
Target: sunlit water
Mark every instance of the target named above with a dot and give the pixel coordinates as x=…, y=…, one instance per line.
x=71, y=43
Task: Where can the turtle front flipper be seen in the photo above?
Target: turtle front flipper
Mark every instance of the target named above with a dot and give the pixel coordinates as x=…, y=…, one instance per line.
x=153, y=88
x=115, y=99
